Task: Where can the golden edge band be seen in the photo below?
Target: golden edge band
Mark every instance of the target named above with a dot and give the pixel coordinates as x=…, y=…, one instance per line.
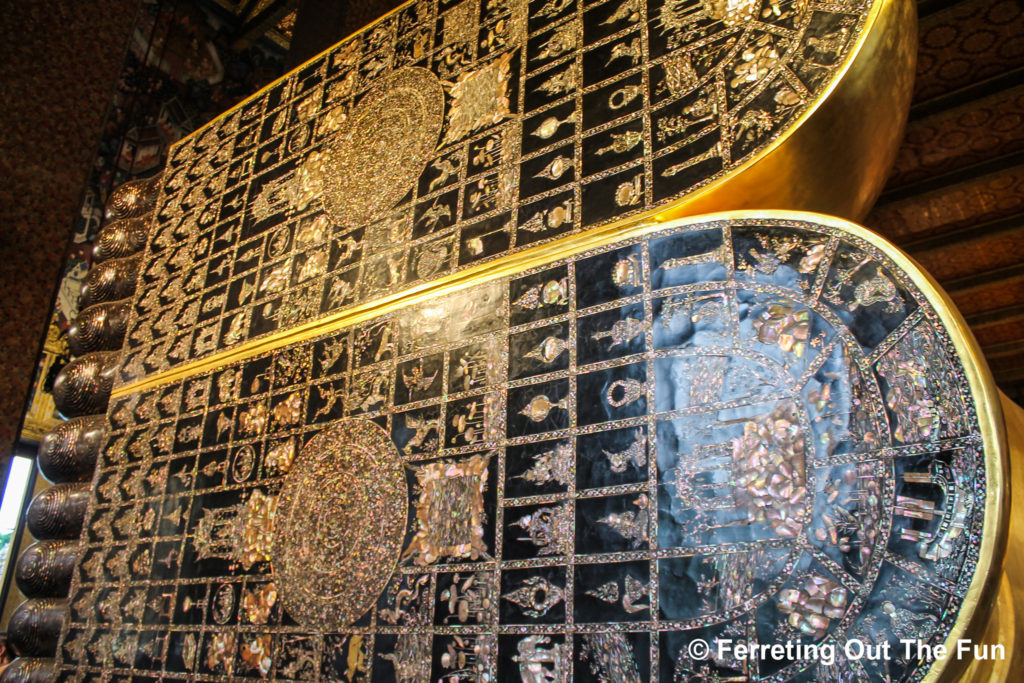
x=977, y=605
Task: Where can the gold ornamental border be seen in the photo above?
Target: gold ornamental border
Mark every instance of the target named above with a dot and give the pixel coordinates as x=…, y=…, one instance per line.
x=981, y=596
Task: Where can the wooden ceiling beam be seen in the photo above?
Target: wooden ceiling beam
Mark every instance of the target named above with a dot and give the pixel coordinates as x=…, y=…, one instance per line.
x=256, y=27
x=961, y=96
x=997, y=316
x=952, y=178
x=1011, y=377
x=971, y=283
x=966, y=235
x=1010, y=348
x=928, y=7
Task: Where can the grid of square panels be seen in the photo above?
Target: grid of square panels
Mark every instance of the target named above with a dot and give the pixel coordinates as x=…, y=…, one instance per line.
x=559, y=116
x=694, y=435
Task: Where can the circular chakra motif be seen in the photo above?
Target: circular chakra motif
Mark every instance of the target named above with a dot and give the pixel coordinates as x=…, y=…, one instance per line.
x=340, y=523
x=383, y=146
x=823, y=463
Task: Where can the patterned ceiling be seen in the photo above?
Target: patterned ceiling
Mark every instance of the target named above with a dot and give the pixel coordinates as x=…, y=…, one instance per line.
x=273, y=19
x=955, y=200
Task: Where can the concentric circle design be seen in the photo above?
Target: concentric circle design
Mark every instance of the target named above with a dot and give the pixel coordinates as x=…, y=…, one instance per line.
x=385, y=144
x=341, y=520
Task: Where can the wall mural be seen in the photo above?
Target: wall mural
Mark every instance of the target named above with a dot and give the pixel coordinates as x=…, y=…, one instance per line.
x=749, y=429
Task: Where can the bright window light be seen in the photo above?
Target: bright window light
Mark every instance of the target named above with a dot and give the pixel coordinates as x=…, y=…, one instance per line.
x=10, y=509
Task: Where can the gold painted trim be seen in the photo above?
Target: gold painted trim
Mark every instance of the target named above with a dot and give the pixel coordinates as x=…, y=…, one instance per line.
x=1006, y=625
x=1001, y=630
